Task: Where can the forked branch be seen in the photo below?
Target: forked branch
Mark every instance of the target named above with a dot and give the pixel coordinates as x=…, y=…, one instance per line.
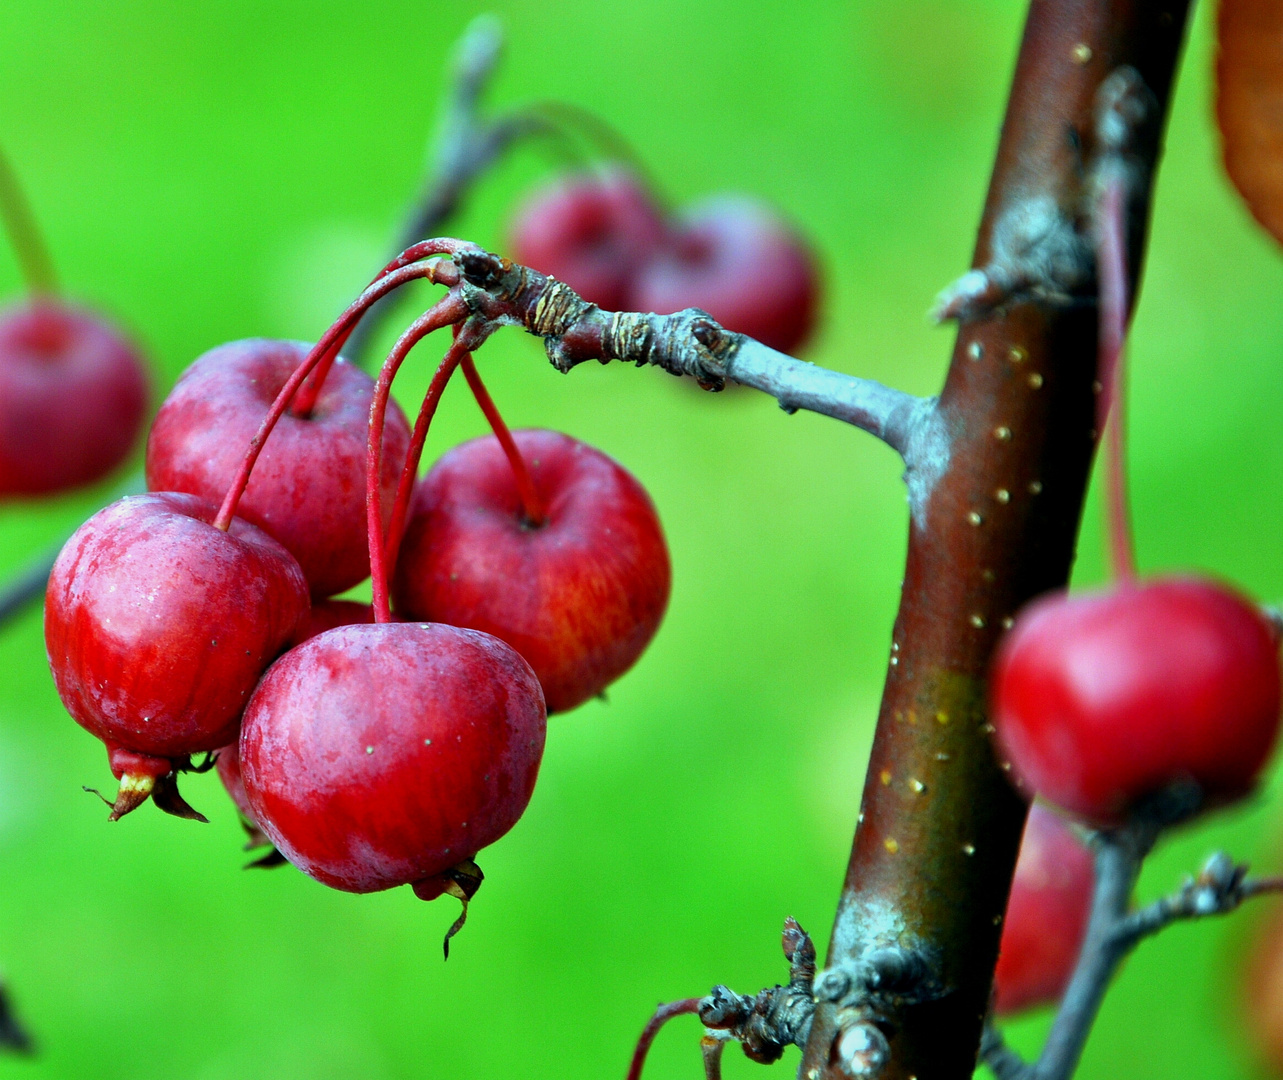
x=1113, y=931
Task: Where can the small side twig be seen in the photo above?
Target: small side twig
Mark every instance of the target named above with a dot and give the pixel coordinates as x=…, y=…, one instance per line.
x=764, y=1024
x=1112, y=933
x=466, y=144
x=688, y=342
x=662, y=1015
x=28, y=585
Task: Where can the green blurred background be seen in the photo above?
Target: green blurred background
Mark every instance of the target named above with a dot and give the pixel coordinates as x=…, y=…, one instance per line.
x=215, y=171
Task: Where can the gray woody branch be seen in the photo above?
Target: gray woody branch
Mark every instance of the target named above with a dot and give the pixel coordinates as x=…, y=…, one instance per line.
x=1112, y=933
x=688, y=342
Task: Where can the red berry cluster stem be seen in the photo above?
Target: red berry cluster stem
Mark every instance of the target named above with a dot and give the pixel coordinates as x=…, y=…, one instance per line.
x=443, y=313
x=532, y=504
x=403, y=269
x=409, y=473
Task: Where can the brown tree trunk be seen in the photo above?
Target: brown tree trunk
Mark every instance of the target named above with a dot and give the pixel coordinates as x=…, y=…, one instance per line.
x=996, y=494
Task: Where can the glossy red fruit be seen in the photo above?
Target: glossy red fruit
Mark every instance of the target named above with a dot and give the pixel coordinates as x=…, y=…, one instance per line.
x=72, y=395
x=1103, y=699
x=384, y=755
x=325, y=615
x=592, y=231
x=158, y=625
x=579, y=596
x=308, y=486
x=1047, y=914
x=738, y=260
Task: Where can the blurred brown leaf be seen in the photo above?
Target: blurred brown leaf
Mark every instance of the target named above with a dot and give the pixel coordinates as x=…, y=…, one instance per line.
x=1249, y=104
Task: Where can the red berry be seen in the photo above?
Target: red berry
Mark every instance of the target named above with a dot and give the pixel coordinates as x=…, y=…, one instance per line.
x=158, y=625
x=383, y=755
x=579, y=596
x=308, y=486
x=1047, y=914
x=72, y=396
x=229, y=772
x=592, y=231
x=736, y=259
x=325, y=615
x=1103, y=699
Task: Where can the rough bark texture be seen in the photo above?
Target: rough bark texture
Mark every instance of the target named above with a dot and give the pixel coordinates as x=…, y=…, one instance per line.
x=995, y=517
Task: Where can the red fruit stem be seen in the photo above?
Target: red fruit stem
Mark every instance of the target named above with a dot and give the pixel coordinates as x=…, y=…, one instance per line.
x=448, y=310
x=662, y=1015
x=409, y=473
x=332, y=341
x=1111, y=259
x=532, y=505
x=305, y=401
x=28, y=244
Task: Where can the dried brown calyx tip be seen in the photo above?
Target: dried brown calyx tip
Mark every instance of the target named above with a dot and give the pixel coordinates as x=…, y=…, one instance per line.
x=462, y=882
x=136, y=788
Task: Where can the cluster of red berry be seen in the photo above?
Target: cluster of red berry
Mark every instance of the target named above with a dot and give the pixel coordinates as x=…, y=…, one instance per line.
x=605, y=236
x=374, y=751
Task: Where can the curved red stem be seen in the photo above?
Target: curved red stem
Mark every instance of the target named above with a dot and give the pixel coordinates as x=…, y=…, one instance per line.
x=305, y=400
x=457, y=352
x=332, y=341
x=448, y=310
x=24, y=234
x=532, y=505
x=1111, y=260
x=662, y=1015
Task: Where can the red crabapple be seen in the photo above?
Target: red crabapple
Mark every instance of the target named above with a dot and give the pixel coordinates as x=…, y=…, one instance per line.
x=735, y=258
x=592, y=231
x=1046, y=914
x=1104, y=699
x=579, y=595
x=308, y=486
x=72, y=395
x=388, y=754
x=158, y=626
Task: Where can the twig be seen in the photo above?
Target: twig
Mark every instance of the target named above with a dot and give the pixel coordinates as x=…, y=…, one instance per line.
x=687, y=342
x=465, y=145
x=663, y=1014
x=939, y=825
x=710, y=1048
x=1112, y=933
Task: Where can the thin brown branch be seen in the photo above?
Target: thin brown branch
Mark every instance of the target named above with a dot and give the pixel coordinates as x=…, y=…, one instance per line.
x=939, y=826
x=662, y=1015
